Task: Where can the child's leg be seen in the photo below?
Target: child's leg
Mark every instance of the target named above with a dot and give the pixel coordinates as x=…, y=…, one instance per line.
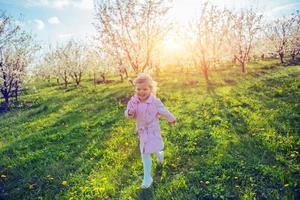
x=160, y=157
x=147, y=164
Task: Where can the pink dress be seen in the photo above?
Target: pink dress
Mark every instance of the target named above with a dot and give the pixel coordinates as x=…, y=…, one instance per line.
x=147, y=122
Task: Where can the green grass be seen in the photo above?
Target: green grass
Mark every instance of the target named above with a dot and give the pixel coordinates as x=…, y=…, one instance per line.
x=233, y=140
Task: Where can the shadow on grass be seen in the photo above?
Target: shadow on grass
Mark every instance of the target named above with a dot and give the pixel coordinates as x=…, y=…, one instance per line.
x=280, y=94
x=36, y=165
x=146, y=194
x=253, y=166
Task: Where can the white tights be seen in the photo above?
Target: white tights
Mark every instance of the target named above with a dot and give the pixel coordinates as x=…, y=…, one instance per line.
x=147, y=164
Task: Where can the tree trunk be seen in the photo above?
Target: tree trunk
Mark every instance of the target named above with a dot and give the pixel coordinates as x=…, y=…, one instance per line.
x=5, y=94
x=243, y=67
x=281, y=55
x=78, y=79
x=126, y=73
x=103, y=77
x=293, y=57
x=4, y=107
x=234, y=59
x=16, y=92
x=66, y=79
x=205, y=72
x=5, y=104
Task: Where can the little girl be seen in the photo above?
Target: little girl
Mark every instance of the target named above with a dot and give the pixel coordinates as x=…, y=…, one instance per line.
x=145, y=108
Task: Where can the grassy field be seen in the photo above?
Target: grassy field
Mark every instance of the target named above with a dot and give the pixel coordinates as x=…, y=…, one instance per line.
x=236, y=138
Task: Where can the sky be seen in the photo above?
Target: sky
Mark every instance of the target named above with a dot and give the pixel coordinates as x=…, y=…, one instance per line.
x=54, y=21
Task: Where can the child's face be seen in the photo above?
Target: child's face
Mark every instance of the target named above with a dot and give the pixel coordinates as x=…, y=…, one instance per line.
x=143, y=91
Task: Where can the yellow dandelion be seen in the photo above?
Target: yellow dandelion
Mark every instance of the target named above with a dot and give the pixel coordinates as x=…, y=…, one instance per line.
x=64, y=183
x=97, y=189
x=293, y=155
x=104, y=179
x=49, y=177
x=206, y=182
x=30, y=187
x=286, y=185
x=83, y=189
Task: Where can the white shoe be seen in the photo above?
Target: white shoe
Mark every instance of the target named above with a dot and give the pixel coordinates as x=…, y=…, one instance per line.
x=147, y=184
x=160, y=157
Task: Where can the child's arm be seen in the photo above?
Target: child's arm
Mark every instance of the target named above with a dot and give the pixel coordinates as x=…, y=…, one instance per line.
x=162, y=110
x=130, y=111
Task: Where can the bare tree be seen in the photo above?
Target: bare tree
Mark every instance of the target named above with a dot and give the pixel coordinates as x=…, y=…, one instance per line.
x=295, y=40
x=48, y=66
x=119, y=63
x=244, y=29
x=280, y=33
x=41, y=72
x=71, y=60
x=65, y=61
x=131, y=29
x=16, y=53
x=75, y=59
x=100, y=63
x=62, y=62
x=8, y=29
x=207, y=37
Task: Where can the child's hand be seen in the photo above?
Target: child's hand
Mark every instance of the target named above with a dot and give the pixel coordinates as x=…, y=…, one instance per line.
x=131, y=113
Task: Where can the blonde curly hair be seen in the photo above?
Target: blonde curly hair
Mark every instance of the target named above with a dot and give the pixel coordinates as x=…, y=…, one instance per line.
x=146, y=78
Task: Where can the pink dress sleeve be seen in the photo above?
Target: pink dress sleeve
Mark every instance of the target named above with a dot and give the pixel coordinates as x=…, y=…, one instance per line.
x=130, y=105
x=162, y=110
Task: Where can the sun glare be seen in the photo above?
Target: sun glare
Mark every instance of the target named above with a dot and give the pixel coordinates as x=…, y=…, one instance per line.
x=171, y=45
x=171, y=49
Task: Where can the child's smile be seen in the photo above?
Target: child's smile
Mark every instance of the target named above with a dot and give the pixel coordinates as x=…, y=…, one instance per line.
x=143, y=91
